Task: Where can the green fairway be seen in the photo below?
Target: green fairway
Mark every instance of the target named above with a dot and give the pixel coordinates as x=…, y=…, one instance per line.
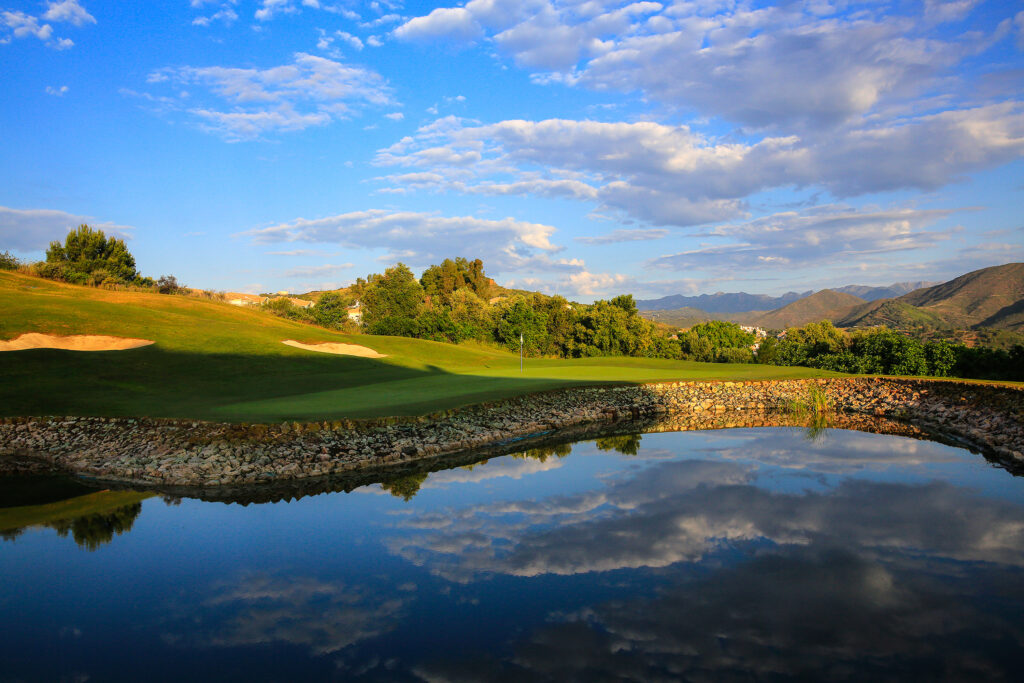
x=220, y=362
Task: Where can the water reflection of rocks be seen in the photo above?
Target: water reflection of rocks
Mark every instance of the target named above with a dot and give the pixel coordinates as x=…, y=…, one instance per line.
x=405, y=479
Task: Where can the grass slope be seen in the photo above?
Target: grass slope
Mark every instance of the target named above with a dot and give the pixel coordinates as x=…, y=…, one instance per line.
x=892, y=313
x=824, y=305
x=976, y=298
x=220, y=362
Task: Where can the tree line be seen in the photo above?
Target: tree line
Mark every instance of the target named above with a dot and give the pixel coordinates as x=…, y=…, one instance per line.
x=456, y=301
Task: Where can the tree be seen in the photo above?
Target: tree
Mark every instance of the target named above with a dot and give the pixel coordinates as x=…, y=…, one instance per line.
x=90, y=257
x=168, y=284
x=443, y=281
x=392, y=301
x=705, y=341
x=8, y=261
x=330, y=310
x=941, y=358
x=520, y=318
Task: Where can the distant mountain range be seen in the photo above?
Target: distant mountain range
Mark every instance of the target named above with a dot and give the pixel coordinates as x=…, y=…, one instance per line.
x=741, y=302
x=987, y=298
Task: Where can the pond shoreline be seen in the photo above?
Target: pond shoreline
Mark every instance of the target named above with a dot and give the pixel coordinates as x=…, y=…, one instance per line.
x=164, y=453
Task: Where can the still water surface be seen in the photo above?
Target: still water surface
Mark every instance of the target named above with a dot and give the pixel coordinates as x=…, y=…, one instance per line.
x=739, y=554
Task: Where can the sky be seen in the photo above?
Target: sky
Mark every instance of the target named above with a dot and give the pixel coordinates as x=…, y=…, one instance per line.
x=585, y=148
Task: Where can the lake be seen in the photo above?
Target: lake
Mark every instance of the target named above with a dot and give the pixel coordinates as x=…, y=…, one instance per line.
x=718, y=555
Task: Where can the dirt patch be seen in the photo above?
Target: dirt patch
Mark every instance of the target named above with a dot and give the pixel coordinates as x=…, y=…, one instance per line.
x=339, y=349
x=76, y=342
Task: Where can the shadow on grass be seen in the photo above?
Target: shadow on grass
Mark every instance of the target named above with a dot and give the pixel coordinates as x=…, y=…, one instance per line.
x=153, y=382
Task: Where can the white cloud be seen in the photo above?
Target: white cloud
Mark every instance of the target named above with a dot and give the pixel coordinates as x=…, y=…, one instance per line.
x=311, y=91
x=68, y=11
x=797, y=65
x=56, y=92
x=317, y=271
x=826, y=234
x=225, y=14
x=28, y=230
x=451, y=23
x=395, y=116
x=631, y=235
x=16, y=24
x=673, y=176
x=421, y=238
x=272, y=8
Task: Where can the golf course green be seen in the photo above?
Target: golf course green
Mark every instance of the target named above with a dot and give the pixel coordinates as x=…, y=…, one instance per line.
x=215, y=361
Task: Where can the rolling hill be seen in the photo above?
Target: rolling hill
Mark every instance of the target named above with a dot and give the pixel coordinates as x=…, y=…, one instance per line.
x=824, y=305
x=988, y=297
x=890, y=313
x=722, y=302
x=894, y=290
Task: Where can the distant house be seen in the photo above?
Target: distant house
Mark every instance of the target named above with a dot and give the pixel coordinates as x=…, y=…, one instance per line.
x=300, y=303
x=756, y=331
x=355, y=314
x=240, y=299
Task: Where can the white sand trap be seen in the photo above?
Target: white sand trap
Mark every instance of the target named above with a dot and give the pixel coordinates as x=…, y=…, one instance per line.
x=76, y=342
x=339, y=349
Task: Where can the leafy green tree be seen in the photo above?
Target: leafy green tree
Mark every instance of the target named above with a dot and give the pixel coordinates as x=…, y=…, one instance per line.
x=705, y=341
x=941, y=357
x=91, y=257
x=768, y=350
x=330, y=310
x=887, y=352
x=818, y=338
x=9, y=261
x=444, y=280
x=470, y=313
x=392, y=301
x=520, y=318
x=283, y=308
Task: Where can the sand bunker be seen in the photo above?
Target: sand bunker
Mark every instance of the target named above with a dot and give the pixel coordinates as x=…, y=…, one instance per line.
x=340, y=349
x=77, y=342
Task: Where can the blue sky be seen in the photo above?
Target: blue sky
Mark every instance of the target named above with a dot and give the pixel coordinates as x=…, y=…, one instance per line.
x=585, y=148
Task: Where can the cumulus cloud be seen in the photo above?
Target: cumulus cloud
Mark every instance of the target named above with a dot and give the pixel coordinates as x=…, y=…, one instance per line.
x=57, y=92
x=674, y=176
x=225, y=13
x=68, y=11
x=624, y=235
x=317, y=271
x=17, y=24
x=826, y=234
x=310, y=91
x=33, y=229
x=420, y=239
x=455, y=23
x=804, y=64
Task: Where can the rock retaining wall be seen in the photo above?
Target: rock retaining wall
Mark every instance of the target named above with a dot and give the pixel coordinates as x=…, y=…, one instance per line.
x=989, y=418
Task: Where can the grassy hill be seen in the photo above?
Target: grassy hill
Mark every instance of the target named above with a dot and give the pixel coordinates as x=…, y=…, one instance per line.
x=824, y=305
x=985, y=297
x=215, y=361
x=892, y=313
